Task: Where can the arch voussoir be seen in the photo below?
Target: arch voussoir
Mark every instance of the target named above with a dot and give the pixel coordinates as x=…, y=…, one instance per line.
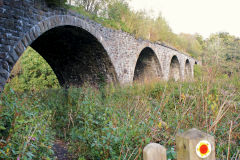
x=20, y=48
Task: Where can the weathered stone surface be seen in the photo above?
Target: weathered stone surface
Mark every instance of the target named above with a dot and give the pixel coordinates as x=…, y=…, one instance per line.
x=113, y=54
x=25, y=42
x=4, y=65
x=10, y=60
x=20, y=48
x=4, y=73
x=154, y=151
x=3, y=55
x=14, y=56
x=186, y=145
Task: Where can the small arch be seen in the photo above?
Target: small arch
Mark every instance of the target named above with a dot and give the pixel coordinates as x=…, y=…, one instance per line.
x=175, y=69
x=147, y=66
x=187, y=69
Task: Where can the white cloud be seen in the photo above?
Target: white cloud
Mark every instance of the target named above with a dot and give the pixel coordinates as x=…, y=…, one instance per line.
x=196, y=16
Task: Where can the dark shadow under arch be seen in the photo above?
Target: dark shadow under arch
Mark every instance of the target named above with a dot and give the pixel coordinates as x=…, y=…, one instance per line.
x=174, y=69
x=147, y=66
x=187, y=69
x=75, y=56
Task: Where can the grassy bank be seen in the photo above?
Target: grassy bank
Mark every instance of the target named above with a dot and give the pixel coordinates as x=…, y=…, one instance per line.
x=117, y=122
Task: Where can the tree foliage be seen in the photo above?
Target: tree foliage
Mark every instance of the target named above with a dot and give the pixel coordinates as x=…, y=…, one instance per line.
x=190, y=44
x=92, y=6
x=223, y=50
x=32, y=72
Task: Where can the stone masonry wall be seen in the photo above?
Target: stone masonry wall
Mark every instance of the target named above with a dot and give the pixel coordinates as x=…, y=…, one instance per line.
x=23, y=22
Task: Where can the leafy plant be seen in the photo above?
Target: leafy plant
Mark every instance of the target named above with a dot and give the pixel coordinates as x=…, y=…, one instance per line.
x=25, y=128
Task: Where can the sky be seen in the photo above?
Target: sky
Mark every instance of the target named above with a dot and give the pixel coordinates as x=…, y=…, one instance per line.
x=195, y=16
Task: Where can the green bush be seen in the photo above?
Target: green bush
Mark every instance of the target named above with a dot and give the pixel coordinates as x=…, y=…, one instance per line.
x=25, y=128
x=32, y=73
x=115, y=123
x=198, y=73
x=120, y=123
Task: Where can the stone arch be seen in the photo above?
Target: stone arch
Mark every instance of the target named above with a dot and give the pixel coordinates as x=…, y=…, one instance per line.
x=174, y=72
x=85, y=58
x=147, y=66
x=187, y=70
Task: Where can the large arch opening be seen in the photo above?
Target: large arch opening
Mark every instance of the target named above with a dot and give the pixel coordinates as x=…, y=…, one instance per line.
x=147, y=66
x=174, y=69
x=187, y=70
x=75, y=56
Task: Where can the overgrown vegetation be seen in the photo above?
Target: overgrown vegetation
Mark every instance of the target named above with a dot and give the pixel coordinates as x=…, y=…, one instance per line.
x=25, y=128
x=117, y=122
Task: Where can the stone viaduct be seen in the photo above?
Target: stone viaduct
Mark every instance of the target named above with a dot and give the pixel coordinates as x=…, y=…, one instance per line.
x=80, y=50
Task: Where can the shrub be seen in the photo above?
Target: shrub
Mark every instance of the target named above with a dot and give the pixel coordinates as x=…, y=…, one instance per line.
x=32, y=73
x=116, y=123
x=25, y=128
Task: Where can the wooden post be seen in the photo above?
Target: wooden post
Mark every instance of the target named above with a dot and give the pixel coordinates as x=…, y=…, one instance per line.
x=195, y=145
x=154, y=151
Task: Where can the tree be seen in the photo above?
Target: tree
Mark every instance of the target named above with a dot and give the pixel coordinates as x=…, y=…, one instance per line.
x=190, y=44
x=224, y=51
x=93, y=6
x=32, y=72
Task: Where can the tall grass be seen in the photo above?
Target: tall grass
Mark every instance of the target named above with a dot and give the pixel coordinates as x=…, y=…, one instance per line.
x=117, y=122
